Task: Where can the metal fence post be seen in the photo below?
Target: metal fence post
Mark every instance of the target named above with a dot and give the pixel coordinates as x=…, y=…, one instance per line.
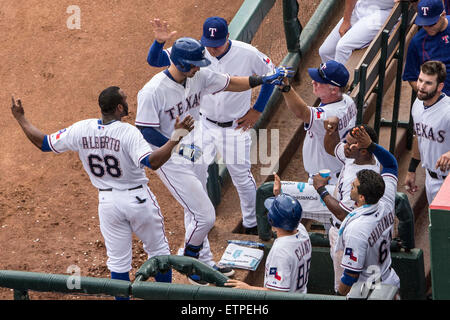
x=381, y=76
x=361, y=93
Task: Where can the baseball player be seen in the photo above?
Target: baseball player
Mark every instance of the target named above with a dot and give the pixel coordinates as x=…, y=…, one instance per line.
x=366, y=233
x=226, y=116
x=431, y=116
x=113, y=154
x=358, y=27
x=332, y=201
x=173, y=92
x=289, y=259
x=329, y=82
x=432, y=42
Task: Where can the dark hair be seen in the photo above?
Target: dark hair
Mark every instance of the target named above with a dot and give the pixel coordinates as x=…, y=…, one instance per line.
x=109, y=99
x=432, y=68
x=371, y=185
x=370, y=131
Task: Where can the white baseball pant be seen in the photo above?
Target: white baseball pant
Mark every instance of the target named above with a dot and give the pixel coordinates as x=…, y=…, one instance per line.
x=432, y=186
x=365, y=24
x=121, y=213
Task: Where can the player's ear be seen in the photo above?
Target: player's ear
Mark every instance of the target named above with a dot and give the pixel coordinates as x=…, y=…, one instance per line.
x=441, y=86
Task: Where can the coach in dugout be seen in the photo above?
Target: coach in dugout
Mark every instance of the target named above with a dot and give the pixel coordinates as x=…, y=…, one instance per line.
x=432, y=42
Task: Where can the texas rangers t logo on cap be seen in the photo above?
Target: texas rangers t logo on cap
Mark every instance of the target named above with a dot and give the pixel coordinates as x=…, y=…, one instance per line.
x=213, y=31
x=425, y=10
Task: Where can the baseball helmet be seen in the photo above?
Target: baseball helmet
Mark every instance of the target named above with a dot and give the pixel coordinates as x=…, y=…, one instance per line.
x=186, y=52
x=285, y=211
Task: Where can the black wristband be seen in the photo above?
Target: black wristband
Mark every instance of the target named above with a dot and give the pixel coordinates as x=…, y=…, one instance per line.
x=323, y=192
x=254, y=81
x=413, y=163
x=285, y=88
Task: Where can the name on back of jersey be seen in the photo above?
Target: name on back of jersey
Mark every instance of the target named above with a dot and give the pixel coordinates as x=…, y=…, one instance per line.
x=386, y=222
x=103, y=142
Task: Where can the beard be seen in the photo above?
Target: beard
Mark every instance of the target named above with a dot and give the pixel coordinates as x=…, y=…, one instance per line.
x=424, y=96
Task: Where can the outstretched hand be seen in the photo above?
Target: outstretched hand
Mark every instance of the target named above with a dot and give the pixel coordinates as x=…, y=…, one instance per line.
x=182, y=128
x=362, y=137
x=161, y=30
x=276, y=77
x=17, y=109
x=248, y=120
x=276, y=184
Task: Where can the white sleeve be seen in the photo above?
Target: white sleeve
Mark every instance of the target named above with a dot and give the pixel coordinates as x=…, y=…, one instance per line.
x=214, y=82
x=390, y=190
x=63, y=140
x=136, y=146
x=354, y=254
x=339, y=152
x=318, y=115
x=147, y=114
x=278, y=274
x=262, y=63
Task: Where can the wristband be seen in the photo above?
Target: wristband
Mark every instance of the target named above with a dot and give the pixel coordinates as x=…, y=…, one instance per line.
x=323, y=192
x=413, y=163
x=255, y=81
x=285, y=88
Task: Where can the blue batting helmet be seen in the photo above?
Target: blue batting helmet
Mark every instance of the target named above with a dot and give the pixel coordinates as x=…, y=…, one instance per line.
x=285, y=211
x=186, y=52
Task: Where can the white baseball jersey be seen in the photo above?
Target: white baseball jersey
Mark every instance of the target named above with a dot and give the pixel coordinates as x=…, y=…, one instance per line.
x=111, y=153
x=242, y=59
x=288, y=262
x=315, y=158
x=380, y=4
x=162, y=99
x=347, y=176
x=365, y=237
x=432, y=125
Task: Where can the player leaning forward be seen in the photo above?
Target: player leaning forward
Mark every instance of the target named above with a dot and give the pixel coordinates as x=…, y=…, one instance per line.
x=226, y=116
x=114, y=154
x=366, y=233
x=178, y=91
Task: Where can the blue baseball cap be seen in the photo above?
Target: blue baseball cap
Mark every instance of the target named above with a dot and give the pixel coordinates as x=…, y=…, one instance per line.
x=215, y=32
x=428, y=12
x=331, y=72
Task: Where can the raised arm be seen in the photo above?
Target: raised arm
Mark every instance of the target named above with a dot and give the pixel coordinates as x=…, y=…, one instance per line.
x=157, y=57
x=33, y=134
x=331, y=139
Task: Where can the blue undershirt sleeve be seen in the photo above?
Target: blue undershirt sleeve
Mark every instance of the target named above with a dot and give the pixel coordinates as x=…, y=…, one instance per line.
x=157, y=57
x=151, y=135
x=264, y=95
x=146, y=161
x=387, y=160
x=45, y=146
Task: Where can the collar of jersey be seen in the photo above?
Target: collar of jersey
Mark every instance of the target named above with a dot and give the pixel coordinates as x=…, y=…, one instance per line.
x=100, y=122
x=167, y=73
x=440, y=98
x=228, y=49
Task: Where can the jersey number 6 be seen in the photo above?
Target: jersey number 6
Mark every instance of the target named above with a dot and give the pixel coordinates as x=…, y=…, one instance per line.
x=98, y=168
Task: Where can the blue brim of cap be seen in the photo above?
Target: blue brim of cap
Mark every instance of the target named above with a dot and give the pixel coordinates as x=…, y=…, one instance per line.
x=212, y=43
x=422, y=21
x=268, y=202
x=314, y=74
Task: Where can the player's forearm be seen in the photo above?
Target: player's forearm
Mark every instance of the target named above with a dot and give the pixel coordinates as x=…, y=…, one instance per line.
x=348, y=9
x=160, y=156
x=33, y=134
x=157, y=57
x=297, y=105
x=330, y=142
x=238, y=84
x=334, y=207
x=387, y=159
x=415, y=153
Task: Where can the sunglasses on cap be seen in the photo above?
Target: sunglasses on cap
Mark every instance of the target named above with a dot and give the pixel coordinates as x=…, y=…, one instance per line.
x=324, y=76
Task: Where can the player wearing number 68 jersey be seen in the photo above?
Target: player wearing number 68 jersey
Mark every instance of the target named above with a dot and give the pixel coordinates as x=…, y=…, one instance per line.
x=114, y=154
x=366, y=233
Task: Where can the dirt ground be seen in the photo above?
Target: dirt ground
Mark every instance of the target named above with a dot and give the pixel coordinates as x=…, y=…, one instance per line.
x=48, y=207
